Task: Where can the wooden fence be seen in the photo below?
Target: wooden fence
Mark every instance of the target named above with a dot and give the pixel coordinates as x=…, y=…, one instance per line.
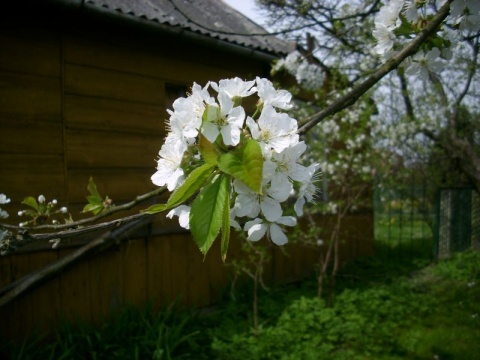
x=156, y=269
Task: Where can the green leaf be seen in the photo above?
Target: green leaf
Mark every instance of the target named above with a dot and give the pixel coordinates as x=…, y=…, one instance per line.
x=206, y=213
x=208, y=151
x=32, y=202
x=94, y=200
x=154, y=209
x=190, y=186
x=92, y=189
x=245, y=164
x=226, y=225
x=94, y=208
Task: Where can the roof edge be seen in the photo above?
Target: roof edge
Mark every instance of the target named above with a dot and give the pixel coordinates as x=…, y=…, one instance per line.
x=82, y=6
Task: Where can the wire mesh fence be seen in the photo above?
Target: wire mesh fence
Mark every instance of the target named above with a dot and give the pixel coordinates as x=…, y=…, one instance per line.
x=417, y=220
x=404, y=220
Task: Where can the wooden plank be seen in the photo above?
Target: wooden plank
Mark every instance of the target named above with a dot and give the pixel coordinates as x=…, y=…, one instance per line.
x=75, y=284
x=118, y=184
x=98, y=149
x=178, y=274
x=39, y=303
x=46, y=297
x=6, y=311
x=30, y=54
x=155, y=270
x=106, y=114
x=106, y=286
x=217, y=272
x=280, y=263
x=168, y=277
x=31, y=137
x=135, y=271
x=82, y=80
x=198, y=281
x=28, y=97
x=21, y=316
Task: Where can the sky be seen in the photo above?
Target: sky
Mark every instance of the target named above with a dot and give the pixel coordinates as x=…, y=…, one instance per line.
x=246, y=7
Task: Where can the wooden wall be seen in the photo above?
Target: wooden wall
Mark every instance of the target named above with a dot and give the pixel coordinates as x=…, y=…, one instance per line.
x=75, y=104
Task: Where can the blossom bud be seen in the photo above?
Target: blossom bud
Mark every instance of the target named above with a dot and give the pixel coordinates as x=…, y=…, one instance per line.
x=20, y=213
x=4, y=199
x=63, y=210
x=41, y=199
x=54, y=201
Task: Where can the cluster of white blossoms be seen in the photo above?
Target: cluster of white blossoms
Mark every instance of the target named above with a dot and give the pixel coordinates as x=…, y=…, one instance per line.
x=464, y=15
x=309, y=76
x=386, y=21
x=3, y=214
x=3, y=200
x=216, y=131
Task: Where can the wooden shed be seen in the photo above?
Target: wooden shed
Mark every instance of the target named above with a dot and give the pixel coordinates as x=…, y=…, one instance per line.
x=84, y=88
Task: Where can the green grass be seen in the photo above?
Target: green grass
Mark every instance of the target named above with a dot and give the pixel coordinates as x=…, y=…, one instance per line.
x=400, y=308
x=398, y=235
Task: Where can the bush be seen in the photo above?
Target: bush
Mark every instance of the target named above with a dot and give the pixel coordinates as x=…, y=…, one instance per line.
x=406, y=318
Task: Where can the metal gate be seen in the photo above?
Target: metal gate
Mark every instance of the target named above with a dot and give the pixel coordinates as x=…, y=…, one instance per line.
x=457, y=221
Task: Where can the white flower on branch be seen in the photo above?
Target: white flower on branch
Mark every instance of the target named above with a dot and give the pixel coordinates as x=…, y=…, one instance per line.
x=223, y=119
x=258, y=228
x=183, y=213
x=169, y=171
x=274, y=130
x=270, y=96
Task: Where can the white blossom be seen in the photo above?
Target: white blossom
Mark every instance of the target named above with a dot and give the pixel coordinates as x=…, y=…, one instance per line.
x=308, y=190
x=183, y=213
x=186, y=118
x=309, y=76
x=248, y=203
x=386, y=21
x=284, y=166
x=421, y=63
x=169, y=171
x=274, y=130
x=235, y=87
x=224, y=119
x=4, y=199
x=258, y=228
x=270, y=96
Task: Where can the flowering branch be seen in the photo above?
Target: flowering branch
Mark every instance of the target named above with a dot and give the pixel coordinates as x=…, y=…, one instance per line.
x=394, y=62
x=24, y=235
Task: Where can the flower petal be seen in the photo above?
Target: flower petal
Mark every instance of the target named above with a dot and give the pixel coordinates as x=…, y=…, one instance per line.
x=277, y=235
x=271, y=209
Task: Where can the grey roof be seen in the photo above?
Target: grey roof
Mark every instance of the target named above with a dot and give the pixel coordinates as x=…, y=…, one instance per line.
x=211, y=18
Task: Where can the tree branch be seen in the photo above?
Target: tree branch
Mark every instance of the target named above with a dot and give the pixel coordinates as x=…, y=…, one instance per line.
x=83, y=222
x=353, y=95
